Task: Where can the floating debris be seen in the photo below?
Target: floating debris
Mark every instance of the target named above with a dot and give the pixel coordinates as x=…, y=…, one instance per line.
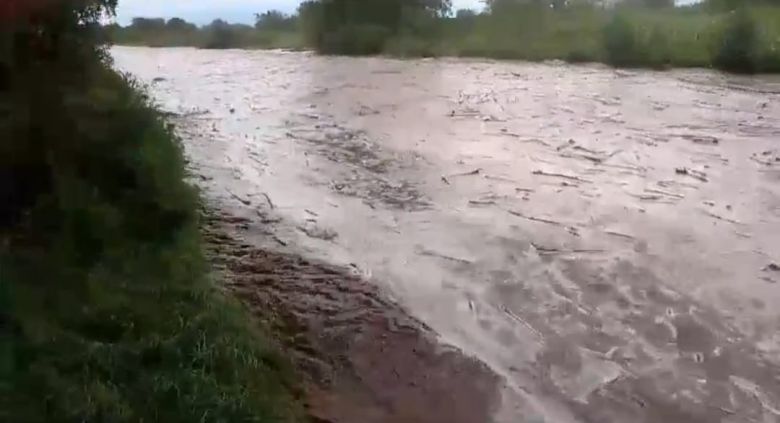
x=242, y=200
x=318, y=233
x=772, y=267
x=430, y=253
x=551, y=250
x=701, y=139
x=666, y=193
x=472, y=173
x=715, y=216
x=535, y=219
x=482, y=202
x=270, y=203
x=560, y=175
x=620, y=235
x=692, y=173
x=498, y=178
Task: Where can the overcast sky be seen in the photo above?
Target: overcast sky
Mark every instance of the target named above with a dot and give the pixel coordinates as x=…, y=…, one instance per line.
x=204, y=11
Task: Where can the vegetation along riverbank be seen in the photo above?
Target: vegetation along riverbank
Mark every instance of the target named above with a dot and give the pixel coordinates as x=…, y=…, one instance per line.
x=736, y=36
x=108, y=310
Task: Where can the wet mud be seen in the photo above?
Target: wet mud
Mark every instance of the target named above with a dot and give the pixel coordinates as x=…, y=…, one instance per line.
x=362, y=357
x=604, y=241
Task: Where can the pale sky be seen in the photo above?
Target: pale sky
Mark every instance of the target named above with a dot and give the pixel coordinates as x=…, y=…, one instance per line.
x=204, y=11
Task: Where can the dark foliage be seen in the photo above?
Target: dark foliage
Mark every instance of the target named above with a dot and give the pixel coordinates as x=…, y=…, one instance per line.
x=365, y=26
x=105, y=311
x=275, y=20
x=737, y=50
x=620, y=42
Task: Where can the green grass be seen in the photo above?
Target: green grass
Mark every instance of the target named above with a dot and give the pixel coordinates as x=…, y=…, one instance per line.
x=108, y=312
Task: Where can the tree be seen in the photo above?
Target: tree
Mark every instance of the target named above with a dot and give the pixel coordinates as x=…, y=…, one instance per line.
x=658, y=4
x=363, y=26
x=386, y=13
x=620, y=42
x=500, y=6
x=738, y=50
x=48, y=29
x=653, y=4
x=221, y=35
x=148, y=24
x=274, y=20
x=178, y=24
x=42, y=44
x=735, y=4
x=465, y=14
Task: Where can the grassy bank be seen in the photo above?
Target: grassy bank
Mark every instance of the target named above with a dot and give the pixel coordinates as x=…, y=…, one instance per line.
x=108, y=313
x=747, y=40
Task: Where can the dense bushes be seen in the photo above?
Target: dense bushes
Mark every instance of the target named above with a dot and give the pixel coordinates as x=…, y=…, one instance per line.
x=744, y=41
x=627, y=45
x=366, y=26
x=737, y=49
x=749, y=42
x=354, y=40
x=620, y=42
x=106, y=309
x=218, y=34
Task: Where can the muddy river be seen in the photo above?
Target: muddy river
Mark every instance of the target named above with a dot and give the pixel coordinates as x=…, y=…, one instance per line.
x=606, y=241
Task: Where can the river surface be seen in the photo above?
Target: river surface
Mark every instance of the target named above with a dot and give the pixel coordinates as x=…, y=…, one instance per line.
x=607, y=241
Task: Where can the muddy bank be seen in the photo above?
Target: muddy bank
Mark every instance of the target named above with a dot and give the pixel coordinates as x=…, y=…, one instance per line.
x=362, y=357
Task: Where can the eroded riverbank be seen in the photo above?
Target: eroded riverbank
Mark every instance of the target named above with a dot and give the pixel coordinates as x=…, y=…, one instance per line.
x=603, y=240
x=363, y=359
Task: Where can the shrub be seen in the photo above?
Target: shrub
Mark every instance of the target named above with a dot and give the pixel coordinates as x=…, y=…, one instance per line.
x=737, y=50
x=620, y=43
x=657, y=49
x=580, y=56
x=220, y=35
x=769, y=62
x=355, y=40
x=411, y=46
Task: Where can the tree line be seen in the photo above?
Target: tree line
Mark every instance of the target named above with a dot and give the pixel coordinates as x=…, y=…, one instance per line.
x=652, y=33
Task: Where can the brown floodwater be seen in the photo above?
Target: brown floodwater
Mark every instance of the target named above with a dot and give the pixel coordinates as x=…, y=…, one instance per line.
x=606, y=241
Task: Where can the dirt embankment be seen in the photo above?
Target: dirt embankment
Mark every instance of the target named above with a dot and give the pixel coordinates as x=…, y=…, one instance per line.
x=363, y=359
